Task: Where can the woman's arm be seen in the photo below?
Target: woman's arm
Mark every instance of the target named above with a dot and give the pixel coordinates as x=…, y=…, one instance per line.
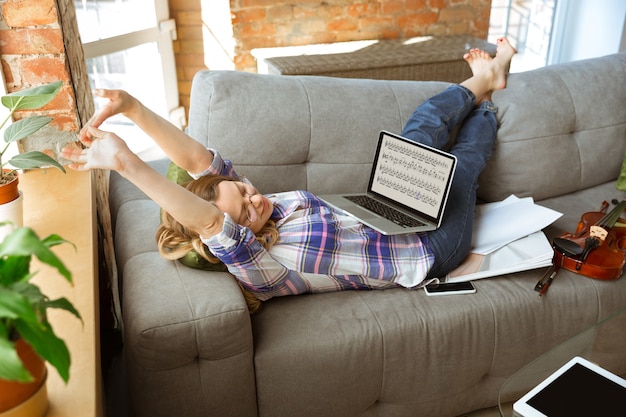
x=107, y=151
x=183, y=150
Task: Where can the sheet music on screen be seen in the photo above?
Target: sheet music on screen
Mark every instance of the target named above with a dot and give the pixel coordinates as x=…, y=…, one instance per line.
x=411, y=175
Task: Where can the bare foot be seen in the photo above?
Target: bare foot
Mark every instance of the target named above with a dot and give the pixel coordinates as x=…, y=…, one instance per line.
x=491, y=70
x=478, y=60
x=504, y=49
x=481, y=64
x=475, y=54
x=502, y=61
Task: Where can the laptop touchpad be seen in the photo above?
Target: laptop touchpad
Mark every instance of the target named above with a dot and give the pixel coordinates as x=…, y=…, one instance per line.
x=361, y=213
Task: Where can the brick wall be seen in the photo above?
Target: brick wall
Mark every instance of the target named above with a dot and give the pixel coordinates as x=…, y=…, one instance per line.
x=203, y=41
x=189, y=45
x=39, y=44
x=270, y=23
x=32, y=53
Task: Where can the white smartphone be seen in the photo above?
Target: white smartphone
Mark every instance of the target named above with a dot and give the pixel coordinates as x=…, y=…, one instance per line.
x=449, y=288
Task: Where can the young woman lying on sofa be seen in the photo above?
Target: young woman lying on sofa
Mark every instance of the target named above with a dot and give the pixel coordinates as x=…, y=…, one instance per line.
x=292, y=243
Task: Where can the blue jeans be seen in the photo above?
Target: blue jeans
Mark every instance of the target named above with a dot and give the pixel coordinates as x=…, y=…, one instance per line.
x=431, y=124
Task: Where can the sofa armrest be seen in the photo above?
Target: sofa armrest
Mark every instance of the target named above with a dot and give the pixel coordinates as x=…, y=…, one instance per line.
x=188, y=340
x=187, y=333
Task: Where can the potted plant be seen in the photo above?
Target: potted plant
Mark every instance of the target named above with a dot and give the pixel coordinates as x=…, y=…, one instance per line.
x=29, y=99
x=24, y=328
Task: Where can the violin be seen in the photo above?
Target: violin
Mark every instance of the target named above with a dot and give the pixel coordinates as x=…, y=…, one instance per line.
x=597, y=249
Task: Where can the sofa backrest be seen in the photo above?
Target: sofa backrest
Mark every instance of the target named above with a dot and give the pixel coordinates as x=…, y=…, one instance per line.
x=562, y=128
x=300, y=132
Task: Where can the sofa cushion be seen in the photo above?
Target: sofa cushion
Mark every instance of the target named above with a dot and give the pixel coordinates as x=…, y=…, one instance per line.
x=573, y=148
x=177, y=174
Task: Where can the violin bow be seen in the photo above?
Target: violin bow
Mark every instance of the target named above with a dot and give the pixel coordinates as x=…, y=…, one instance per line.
x=546, y=280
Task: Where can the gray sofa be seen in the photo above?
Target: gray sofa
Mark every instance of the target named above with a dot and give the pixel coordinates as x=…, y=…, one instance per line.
x=192, y=349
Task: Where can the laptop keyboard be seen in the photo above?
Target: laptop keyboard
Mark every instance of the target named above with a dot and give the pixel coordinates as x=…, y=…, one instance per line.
x=384, y=210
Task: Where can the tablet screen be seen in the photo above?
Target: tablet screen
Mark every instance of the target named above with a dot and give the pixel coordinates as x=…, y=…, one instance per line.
x=580, y=391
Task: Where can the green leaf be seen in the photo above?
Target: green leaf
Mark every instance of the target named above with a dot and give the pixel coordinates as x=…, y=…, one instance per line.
x=54, y=240
x=11, y=367
x=47, y=345
x=25, y=127
x=14, y=305
x=14, y=269
x=32, y=98
x=34, y=159
x=63, y=304
x=24, y=242
x=32, y=292
x=23, y=306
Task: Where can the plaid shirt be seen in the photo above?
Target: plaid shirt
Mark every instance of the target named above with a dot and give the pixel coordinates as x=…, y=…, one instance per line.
x=318, y=250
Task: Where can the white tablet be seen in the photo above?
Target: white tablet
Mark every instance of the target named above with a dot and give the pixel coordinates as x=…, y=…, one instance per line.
x=578, y=388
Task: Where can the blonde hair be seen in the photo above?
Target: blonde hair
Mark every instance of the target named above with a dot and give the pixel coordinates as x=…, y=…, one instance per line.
x=175, y=241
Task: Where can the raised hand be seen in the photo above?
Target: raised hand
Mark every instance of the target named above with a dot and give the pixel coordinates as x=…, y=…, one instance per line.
x=105, y=150
x=118, y=102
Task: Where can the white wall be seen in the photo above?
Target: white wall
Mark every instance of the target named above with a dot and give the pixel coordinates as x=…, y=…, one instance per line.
x=587, y=29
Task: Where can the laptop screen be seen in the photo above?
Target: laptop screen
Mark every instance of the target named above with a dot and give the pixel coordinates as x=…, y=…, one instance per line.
x=412, y=174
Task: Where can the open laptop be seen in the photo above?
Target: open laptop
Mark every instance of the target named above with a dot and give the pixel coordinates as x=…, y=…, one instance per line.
x=407, y=191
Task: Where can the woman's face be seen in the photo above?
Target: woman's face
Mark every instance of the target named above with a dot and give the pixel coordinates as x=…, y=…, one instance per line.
x=244, y=204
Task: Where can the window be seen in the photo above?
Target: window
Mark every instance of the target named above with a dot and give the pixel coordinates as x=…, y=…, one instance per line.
x=128, y=45
x=528, y=25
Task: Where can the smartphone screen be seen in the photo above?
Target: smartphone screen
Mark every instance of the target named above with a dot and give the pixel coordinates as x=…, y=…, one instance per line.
x=450, y=288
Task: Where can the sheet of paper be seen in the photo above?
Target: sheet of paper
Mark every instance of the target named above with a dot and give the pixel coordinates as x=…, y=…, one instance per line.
x=530, y=252
x=498, y=224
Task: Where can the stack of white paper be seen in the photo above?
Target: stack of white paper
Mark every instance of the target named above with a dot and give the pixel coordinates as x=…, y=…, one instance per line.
x=507, y=238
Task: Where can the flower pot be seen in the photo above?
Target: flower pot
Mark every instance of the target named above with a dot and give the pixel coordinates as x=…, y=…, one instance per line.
x=30, y=397
x=12, y=211
x=35, y=406
x=9, y=190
